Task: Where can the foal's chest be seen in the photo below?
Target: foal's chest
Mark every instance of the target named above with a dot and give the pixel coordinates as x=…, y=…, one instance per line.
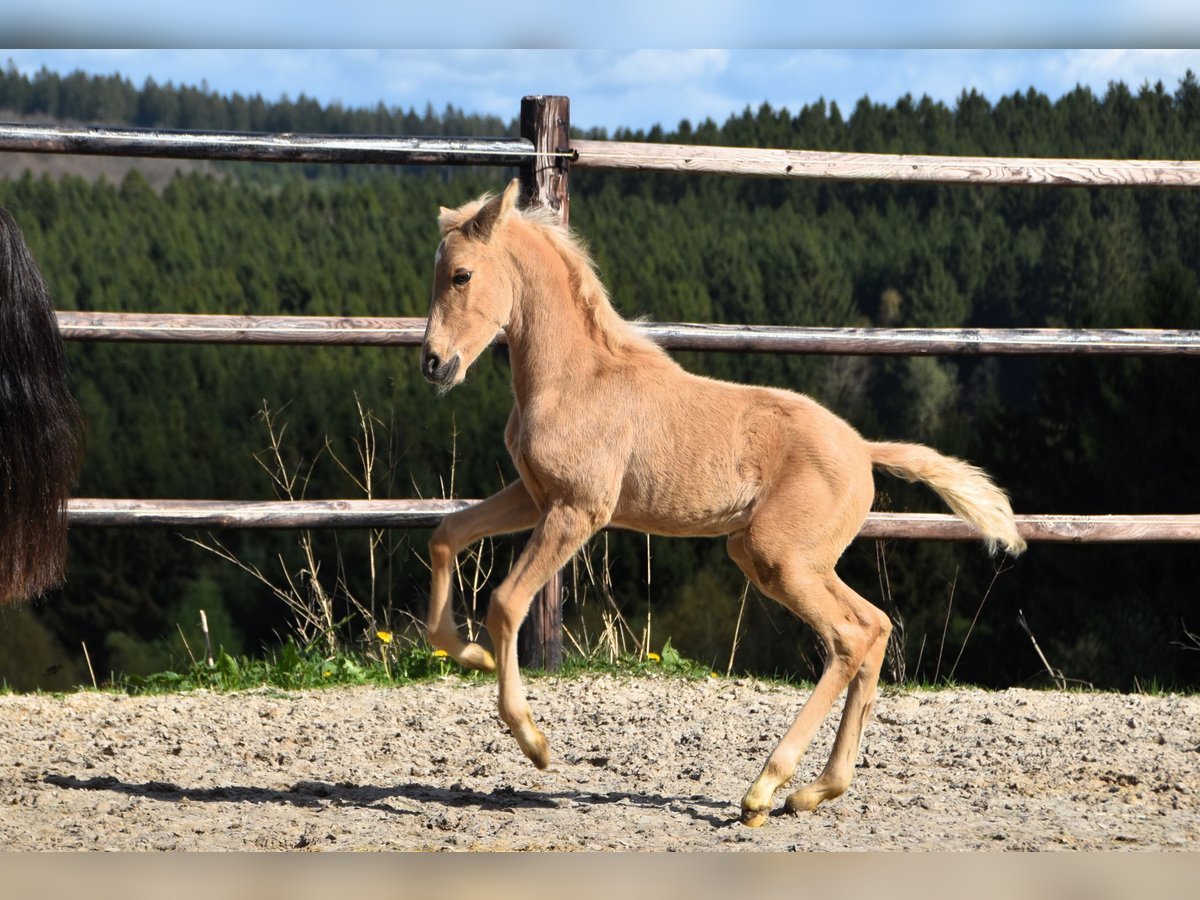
x=565, y=453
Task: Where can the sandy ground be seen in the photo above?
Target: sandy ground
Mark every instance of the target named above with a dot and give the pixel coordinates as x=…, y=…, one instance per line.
x=640, y=763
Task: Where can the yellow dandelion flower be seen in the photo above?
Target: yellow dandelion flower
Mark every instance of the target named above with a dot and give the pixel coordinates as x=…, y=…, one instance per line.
x=653, y=657
x=713, y=675
x=327, y=674
x=438, y=654
x=385, y=636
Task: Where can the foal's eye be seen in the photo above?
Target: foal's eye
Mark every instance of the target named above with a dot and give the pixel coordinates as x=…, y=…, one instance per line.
x=461, y=278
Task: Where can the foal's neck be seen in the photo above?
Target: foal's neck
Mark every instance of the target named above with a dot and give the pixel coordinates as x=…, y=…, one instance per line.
x=552, y=337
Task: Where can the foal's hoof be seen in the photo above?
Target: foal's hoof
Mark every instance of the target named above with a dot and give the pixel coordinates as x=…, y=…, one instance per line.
x=808, y=798
x=753, y=818
x=802, y=802
x=475, y=657
x=538, y=751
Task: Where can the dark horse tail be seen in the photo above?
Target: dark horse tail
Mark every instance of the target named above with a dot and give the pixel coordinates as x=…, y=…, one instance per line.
x=40, y=434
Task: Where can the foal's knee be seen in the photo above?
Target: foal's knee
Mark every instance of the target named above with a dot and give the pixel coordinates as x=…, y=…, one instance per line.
x=441, y=549
x=438, y=622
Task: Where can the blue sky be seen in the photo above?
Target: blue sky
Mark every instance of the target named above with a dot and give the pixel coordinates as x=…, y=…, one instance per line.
x=613, y=23
x=780, y=50
x=636, y=88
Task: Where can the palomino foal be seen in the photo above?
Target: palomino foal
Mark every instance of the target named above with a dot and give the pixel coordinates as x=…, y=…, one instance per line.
x=607, y=430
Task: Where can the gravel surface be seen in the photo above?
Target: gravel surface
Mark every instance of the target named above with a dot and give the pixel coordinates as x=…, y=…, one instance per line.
x=639, y=763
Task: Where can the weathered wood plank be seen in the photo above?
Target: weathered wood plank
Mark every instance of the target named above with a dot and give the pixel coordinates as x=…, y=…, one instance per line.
x=249, y=514
x=182, y=328
x=750, y=161
x=920, y=341
x=281, y=147
x=1050, y=528
x=218, y=329
x=546, y=123
x=298, y=514
x=813, y=164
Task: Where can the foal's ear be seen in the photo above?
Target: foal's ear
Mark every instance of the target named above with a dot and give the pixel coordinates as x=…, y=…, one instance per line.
x=449, y=219
x=493, y=212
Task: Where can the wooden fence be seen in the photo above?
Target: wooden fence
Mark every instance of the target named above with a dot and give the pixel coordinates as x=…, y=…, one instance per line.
x=544, y=154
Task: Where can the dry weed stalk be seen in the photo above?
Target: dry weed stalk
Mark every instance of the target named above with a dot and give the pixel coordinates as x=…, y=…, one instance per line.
x=897, y=642
x=616, y=639
x=474, y=565
x=311, y=603
x=982, y=600
x=1194, y=639
x=1056, y=674
x=937, y=670
x=737, y=628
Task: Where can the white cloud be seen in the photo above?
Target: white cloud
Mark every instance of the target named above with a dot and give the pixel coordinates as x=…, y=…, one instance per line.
x=1097, y=68
x=666, y=67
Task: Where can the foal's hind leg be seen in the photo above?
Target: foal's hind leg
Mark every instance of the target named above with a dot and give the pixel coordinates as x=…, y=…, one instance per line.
x=860, y=700
x=850, y=628
x=511, y=509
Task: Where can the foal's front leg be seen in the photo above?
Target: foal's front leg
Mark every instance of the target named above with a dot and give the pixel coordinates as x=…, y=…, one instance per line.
x=509, y=510
x=561, y=531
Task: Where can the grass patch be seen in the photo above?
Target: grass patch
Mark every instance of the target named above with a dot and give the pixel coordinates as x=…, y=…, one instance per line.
x=293, y=668
x=298, y=668
x=669, y=662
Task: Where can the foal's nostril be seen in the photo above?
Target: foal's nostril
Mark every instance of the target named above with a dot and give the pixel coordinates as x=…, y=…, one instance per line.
x=430, y=365
x=439, y=371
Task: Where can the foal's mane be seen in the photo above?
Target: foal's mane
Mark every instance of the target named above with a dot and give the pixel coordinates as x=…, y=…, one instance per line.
x=586, y=286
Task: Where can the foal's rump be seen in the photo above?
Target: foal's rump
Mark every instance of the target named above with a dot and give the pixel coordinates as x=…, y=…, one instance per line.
x=39, y=426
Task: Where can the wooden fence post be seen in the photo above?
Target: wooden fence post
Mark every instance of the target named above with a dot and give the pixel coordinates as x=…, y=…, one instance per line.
x=546, y=122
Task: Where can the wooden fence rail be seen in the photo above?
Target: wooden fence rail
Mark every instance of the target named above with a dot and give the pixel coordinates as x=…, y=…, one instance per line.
x=408, y=332
x=747, y=161
x=314, y=514
x=244, y=147
x=828, y=166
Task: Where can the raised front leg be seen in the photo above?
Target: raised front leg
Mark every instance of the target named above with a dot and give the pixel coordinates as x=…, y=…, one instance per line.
x=561, y=531
x=512, y=509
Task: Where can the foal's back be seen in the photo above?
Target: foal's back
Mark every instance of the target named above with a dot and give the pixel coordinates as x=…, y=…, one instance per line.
x=703, y=451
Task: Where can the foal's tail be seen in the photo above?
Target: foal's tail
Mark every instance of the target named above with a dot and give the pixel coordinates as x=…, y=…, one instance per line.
x=967, y=490
x=40, y=434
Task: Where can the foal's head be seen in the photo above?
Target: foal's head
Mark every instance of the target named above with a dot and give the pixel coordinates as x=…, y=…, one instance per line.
x=473, y=288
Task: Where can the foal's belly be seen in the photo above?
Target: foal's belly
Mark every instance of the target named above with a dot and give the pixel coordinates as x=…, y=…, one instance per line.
x=715, y=525
x=697, y=506
x=699, y=468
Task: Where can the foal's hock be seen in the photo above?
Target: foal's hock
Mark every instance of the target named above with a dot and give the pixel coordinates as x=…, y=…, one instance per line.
x=607, y=430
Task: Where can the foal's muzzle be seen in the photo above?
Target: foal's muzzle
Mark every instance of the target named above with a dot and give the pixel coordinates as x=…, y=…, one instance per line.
x=436, y=370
